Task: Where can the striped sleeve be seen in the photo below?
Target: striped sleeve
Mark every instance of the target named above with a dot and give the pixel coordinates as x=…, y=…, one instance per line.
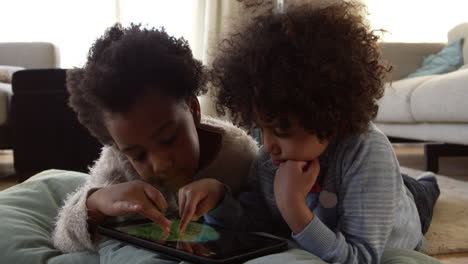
x=368, y=202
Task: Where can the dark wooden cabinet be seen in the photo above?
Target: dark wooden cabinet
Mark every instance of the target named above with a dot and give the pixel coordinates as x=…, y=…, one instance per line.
x=45, y=131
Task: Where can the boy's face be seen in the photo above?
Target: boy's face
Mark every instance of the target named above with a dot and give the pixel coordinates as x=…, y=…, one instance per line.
x=294, y=143
x=159, y=137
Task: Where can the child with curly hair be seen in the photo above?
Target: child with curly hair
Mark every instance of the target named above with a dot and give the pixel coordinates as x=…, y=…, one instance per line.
x=326, y=177
x=137, y=94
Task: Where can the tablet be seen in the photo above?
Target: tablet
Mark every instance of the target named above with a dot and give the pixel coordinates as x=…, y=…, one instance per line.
x=199, y=243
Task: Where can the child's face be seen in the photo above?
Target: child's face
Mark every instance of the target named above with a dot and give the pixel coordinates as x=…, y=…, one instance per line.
x=159, y=137
x=295, y=143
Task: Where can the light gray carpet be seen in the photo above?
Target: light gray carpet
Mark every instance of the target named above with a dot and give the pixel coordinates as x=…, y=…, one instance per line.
x=449, y=228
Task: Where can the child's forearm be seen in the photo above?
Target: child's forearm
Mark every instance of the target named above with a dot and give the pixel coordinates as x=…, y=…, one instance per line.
x=95, y=217
x=296, y=214
x=72, y=222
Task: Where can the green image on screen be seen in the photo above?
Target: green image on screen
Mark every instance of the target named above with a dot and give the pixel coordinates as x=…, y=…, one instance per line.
x=195, y=232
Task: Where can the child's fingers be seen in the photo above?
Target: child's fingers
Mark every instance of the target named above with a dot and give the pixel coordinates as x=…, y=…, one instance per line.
x=152, y=213
x=203, y=207
x=156, y=197
x=164, y=236
x=188, y=211
x=122, y=207
x=182, y=200
x=312, y=166
x=294, y=164
x=187, y=215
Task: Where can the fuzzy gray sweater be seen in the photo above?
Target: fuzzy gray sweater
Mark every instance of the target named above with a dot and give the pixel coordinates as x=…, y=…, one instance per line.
x=231, y=166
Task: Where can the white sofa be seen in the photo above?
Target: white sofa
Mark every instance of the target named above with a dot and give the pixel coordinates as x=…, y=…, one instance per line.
x=28, y=55
x=430, y=108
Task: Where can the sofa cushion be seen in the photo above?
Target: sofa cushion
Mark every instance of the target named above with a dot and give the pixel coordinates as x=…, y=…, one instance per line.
x=460, y=31
x=447, y=60
x=442, y=98
x=5, y=96
x=455, y=133
x=395, y=106
x=6, y=72
x=406, y=57
x=31, y=55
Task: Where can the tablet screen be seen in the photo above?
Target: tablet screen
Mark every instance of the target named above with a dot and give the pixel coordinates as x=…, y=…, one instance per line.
x=200, y=240
x=195, y=232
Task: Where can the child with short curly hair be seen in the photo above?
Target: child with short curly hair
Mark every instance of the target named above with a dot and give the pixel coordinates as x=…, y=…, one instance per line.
x=326, y=177
x=137, y=94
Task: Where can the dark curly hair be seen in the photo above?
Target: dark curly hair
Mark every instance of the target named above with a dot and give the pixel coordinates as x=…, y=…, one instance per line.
x=122, y=65
x=321, y=65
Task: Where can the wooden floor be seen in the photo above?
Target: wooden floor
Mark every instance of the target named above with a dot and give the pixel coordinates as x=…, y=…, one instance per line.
x=409, y=155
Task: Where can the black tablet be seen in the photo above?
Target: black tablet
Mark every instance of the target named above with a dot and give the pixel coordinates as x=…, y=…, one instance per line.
x=199, y=243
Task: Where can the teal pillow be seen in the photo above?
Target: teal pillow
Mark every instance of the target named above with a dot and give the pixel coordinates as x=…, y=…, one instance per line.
x=28, y=212
x=448, y=59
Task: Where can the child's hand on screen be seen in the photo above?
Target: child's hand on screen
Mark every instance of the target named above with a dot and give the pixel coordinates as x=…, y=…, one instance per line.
x=128, y=197
x=198, y=198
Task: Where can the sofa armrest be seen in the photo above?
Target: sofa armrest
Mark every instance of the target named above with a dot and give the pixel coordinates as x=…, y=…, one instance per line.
x=31, y=55
x=406, y=58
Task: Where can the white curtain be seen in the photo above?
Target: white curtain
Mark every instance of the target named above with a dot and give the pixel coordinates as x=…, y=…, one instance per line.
x=211, y=20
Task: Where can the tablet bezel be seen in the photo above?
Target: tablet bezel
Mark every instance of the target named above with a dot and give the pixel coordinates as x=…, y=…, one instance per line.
x=111, y=231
